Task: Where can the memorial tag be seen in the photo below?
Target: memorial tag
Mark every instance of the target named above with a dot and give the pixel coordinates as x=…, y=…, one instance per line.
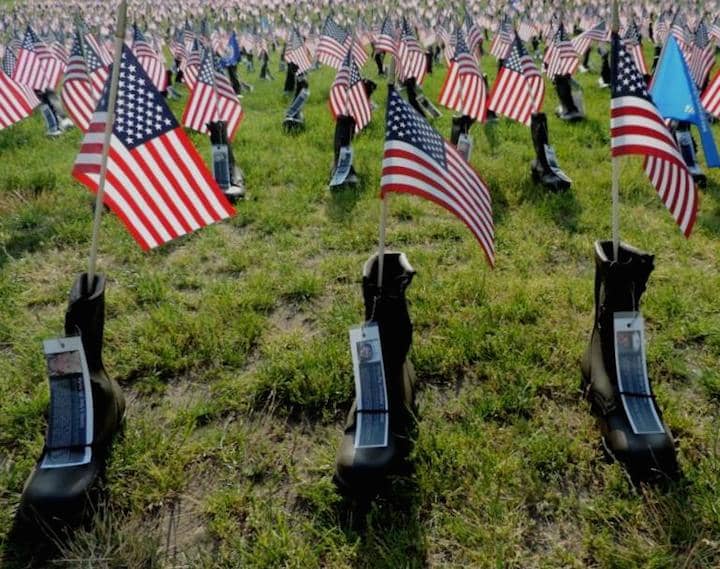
x=344, y=164
x=70, y=423
x=298, y=103
x=464, y=146
x=221, y=165
x=553, y=163
x=632, y=376
x=370, y=387
x=51, y=123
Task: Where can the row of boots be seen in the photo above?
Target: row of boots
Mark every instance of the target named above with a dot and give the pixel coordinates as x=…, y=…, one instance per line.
x=63, y=493
x=619, y=285
x=54, y=115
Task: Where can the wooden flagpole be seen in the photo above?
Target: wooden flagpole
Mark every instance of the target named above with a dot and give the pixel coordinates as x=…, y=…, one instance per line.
x=615, y=161
x=120, y=29
x=384, y=199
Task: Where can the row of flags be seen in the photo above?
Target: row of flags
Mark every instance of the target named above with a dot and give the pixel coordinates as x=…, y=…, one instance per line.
x=156, y=182
x=153, y=163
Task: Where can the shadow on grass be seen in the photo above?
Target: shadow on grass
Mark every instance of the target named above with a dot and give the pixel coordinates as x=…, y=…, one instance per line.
x=562, y=208
x=490, y=129
x=674, y=513
x=30, y=546
x=388, y=528
x=342, y=201
x=710, y=220
x=102, y=537
x=25, y=240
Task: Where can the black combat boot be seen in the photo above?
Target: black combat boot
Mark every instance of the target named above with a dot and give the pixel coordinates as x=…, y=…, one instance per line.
x=62, y=493
x=291, y=71
x=656, y=58
x=48, y=110
x=300, y=84
x=344, y=132
x=535, y=42
x=379, y=62
x=605, y=73
x=294, y=118
x=688, y=149
x=429, y=61
x=460, y=125
x=618, y=288
x=568, y=110
x=585, y=65
x=411, y=85
x=226, y=174
x=544, y=168
x=370, y=87
x=265, y=68
x=234, y=80
x=361, y=472
x=179, y=75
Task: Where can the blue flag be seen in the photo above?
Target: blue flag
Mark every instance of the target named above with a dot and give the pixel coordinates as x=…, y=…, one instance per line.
x=676, y=97
x=235, y=53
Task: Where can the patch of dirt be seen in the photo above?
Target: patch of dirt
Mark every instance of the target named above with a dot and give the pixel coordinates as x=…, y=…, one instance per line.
x=290, y=317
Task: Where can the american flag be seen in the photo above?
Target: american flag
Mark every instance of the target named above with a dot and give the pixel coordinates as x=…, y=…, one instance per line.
x=448, y=50
x=99, y=49
x=661, y=29
x=191, y=65
x=715, y=31
x=348, y=95
x=519, y=89
x=59, y=52
x=549, y=26
x=711, y=96
x=417, y=160
x=297, y=53
x=474, y=33
x=385, y=41
x=702, y=55
x=14, y=102
x=77, y=93
x=503, y=40
x=9, y=61
x=30, y=67
x=636, y=127
x=8, y=66
x=157, y=184
x=53, y=59
x=526, y=30
x=177, y=46
x=97, y=69
x=331, y=46
x=212, y=99
x=464, y=87
x=151, y=62
x=188, y=33
x=358, y=51
x=561, y=57
x=632, y=43
x=678, y=28
x=582, y=42
x=411, y=56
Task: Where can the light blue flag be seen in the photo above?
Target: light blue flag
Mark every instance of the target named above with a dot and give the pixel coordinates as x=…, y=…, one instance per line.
x=676, y=97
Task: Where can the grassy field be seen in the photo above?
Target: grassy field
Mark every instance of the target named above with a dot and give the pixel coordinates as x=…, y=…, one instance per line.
x=231, y=346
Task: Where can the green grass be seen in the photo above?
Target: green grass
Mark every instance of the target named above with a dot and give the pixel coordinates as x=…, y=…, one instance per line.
x=231, y=347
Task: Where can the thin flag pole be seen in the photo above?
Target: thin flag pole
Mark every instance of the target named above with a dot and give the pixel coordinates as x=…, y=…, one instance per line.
x=120, y=29
x=615, y=161
x=384, y=199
